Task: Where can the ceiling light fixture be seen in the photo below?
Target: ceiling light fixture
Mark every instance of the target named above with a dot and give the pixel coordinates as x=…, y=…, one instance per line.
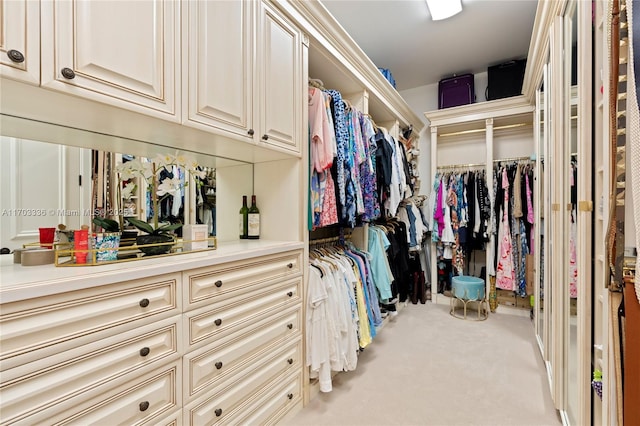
x=443, y=9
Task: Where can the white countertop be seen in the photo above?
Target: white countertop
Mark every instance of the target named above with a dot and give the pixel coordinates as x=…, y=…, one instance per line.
x=19, y=282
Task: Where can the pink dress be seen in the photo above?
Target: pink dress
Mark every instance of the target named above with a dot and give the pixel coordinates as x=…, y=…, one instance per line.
x=329, y=214
x=505, y=274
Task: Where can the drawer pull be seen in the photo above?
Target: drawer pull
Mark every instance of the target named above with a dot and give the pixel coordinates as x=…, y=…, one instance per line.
x=290, y=294
x=218, y=365
x=290, y=266
x=144, y=303
x=144, y=351
x=265, y=137
x=218, y=322
x=68, y=73
x=144, y=405
x=289, y=326
x=218, y=283
x=218, y=412
x=290, y=361
x=15, y=56
x=290, y=396
x=250, y=132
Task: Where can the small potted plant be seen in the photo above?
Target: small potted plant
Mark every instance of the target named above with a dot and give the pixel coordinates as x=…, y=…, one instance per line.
x=107, y=242
x=159, y=187
x=162, y=235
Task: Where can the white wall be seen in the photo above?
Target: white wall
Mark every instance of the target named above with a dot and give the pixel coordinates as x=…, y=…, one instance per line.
x=425, y=98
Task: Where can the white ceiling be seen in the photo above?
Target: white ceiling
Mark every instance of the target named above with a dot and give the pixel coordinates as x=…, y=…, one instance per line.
x=400, y=35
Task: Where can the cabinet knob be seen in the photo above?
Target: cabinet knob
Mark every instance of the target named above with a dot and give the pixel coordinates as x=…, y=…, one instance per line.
x=68, y=73
x=144, y=303
x=218, y=412
x=250, y=132
x=290, y=396
x=265, y=137
x=15, y=56
x=218, y=365
x=144, y=405
x=290, y=294
x=289, y=326
x=144, y=351
x=290, y=361
x=218, y=283
x=218, y=322
x=290, y=266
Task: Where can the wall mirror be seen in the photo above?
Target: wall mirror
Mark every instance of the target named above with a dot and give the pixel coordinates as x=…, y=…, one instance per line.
x=541, y=135
x=570, y=289
x=45, y=184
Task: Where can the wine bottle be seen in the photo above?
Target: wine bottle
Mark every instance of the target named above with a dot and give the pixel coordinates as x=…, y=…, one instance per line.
x=254, y=220
x=244, y=219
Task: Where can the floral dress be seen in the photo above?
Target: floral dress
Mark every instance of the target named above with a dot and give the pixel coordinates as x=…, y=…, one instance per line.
x=505, y=274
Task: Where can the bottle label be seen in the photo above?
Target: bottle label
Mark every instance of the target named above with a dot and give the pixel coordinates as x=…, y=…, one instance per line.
x=241, y=225
x=254, y=225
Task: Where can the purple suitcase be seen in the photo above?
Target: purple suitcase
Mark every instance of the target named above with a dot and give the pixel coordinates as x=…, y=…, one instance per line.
x=456, y=90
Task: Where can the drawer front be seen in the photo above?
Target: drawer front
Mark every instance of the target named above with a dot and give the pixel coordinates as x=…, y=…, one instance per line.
x=223, y=317
x=226, y=401
x=212, y=364
x=173, y=419
x=29, y=388
x=209, y=283
x=271, y=406
x=144, y=400
x=36, y=328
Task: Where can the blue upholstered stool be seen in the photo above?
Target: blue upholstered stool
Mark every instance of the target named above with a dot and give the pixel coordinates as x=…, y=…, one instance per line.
x=467, y=289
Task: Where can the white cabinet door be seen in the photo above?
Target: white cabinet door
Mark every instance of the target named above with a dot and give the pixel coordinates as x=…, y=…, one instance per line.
x=280, y=82
x=218, y=63
x=20, y=40
x=124, y=53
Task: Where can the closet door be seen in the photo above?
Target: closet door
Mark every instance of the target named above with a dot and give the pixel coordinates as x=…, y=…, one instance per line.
x=578, y=216
x=570, y=291
x=557, y=226
x=541, y=128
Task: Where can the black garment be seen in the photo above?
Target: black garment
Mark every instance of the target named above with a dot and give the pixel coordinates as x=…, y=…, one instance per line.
x=419, y=288
x=384, y=170
x=398, y=256
x=407, y=170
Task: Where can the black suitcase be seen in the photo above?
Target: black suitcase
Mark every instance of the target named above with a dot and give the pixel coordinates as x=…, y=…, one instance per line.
x=505, y=80
x=455, y=91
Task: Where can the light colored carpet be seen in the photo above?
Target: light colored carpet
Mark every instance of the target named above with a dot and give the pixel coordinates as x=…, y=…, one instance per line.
x=429, y=368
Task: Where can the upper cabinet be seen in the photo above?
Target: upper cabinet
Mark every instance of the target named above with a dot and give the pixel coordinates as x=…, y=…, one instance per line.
x=227, y=90
x=218, y=64
x=122, y=53
x=280, y=80
x=20, y=40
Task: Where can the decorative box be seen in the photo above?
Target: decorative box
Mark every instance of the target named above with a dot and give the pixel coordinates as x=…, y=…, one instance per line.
x=195, y=237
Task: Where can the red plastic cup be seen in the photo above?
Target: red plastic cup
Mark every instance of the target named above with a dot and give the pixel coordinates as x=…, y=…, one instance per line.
x=46, y=237
x=81, y=245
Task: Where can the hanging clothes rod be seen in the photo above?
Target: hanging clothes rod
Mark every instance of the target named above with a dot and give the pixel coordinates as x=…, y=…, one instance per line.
x=471, y=131
x=321, y=241
x=461, y=166
x=469, y=166
x=513, y=159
